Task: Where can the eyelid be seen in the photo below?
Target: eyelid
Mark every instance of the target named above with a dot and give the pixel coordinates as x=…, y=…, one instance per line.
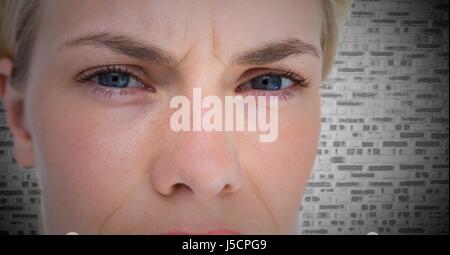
x=254, y=73
x=134, y=71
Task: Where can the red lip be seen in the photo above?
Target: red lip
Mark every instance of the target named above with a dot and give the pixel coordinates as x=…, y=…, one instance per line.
x=212, y=232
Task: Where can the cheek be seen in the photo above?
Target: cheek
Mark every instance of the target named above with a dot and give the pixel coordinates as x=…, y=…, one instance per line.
x=281, y=169
x=87, y=158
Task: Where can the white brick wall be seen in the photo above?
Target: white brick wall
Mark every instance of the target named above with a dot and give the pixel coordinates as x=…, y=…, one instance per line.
x=385, y=125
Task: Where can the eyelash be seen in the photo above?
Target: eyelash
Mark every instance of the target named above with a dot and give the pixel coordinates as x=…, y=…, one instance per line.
x=88, y=75
x=283, y=94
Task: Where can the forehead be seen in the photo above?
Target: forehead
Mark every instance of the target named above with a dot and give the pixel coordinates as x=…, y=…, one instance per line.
x=178, y=25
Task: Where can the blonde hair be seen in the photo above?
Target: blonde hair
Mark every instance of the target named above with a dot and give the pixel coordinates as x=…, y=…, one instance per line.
x=335, y=12
x=18, y=26
x=19, y=20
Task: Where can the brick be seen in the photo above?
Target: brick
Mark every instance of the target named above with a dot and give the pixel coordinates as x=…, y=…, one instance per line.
x=412, y=183
x=380, y=184
x=439, y=136
x=428, y=143
x=331, y=207
x=380, y=168
x=412, y=134
x=319, y=184
x=395, y=144
x=347, y=184
x=362, y=175
x=426, y=207
x=337, y=160
x=440, y=166
x=350, y=167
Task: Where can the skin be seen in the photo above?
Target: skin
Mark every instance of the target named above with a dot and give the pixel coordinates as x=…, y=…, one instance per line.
x=113, y=165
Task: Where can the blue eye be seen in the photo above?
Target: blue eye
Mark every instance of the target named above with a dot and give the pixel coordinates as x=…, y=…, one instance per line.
x=116, y=81
x=113, y=79
x=269, y=81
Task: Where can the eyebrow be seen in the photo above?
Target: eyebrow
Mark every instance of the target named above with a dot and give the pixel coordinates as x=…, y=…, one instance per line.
x=123, y=45
x=262, y=55
x=276, y=51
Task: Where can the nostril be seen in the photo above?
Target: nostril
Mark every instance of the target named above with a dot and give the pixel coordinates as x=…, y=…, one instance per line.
x=175, y=188
x=179, y=187
x=228, y=188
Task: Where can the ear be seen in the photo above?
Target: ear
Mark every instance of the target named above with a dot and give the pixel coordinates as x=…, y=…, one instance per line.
x=14, y=107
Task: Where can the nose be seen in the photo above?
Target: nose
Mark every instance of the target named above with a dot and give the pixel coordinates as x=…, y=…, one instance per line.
x=204, y=164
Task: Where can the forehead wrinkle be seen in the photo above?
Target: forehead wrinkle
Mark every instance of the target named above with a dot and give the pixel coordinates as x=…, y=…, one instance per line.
x=187, y=38
x=215, y=40
x=206, y=43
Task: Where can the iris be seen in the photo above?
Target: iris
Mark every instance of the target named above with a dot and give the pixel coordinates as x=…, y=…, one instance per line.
x=114, y=79
x=267, y=82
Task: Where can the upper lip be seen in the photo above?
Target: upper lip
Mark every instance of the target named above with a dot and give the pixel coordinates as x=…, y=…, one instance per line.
x=210, y=232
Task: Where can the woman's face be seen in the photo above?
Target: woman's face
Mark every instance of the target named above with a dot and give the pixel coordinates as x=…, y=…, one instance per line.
x=97, y=98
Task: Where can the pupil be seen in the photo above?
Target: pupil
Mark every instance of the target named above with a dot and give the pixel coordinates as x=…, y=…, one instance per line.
x=267, y=82
x=115, y=80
